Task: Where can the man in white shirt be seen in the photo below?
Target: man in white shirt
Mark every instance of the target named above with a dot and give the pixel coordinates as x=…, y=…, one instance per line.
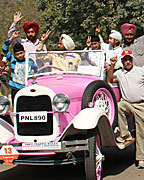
x=131, y=82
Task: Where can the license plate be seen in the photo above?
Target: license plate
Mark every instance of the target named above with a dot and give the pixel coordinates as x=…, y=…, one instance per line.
x=42, y=146
x=40, y=116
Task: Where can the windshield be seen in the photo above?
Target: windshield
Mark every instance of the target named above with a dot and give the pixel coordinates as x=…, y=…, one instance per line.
x=82, y=62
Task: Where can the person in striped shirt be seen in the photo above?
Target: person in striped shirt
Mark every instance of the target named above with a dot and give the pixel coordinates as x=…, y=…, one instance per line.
x=17, y=62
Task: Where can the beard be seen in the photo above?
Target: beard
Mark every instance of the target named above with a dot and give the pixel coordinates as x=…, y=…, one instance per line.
x=128, y=41
x=32, y=38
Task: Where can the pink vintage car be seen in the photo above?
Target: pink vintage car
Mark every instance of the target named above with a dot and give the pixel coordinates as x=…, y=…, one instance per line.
x=65, y=114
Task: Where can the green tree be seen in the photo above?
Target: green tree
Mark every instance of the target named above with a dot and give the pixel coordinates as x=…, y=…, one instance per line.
x=79, y=18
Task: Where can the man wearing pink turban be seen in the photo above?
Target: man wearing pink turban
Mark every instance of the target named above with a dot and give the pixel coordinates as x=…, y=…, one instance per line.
x=136, y=46
x=128, y=32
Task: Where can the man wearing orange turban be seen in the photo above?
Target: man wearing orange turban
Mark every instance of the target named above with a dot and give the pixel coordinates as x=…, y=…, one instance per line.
x=136, y=46
x=30, y=43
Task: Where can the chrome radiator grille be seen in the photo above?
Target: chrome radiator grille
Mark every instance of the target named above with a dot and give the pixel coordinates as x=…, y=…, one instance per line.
x=37, y=103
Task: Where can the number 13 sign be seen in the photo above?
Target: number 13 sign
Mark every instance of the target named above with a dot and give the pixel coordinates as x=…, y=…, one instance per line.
x=8, y=154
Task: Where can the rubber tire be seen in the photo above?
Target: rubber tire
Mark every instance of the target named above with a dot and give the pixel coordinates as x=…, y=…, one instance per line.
x=90, y=156
x=90, y=92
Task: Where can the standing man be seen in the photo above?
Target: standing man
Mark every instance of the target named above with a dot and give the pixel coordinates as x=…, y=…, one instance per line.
x=134, y=45
x=30, y=43
x=130, y=79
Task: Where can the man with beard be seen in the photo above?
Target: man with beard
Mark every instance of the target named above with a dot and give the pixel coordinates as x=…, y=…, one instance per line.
x=67, y=61
x=31, y=43
x=130, y=43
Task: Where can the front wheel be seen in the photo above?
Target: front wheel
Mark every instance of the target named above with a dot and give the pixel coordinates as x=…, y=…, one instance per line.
x=99, y=94
x=93, y=157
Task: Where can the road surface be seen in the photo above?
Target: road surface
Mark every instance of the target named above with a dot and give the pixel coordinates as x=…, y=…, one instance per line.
x=118, y=164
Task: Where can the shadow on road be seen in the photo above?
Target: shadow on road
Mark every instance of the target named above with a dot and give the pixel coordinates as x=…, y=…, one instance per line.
x=117, y=161
x=63, y=172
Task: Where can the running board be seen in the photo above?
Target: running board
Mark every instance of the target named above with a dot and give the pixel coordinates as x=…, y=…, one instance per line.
x=125, y=144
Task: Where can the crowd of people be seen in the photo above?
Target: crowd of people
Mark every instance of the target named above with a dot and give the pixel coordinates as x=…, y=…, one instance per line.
x=123, y=63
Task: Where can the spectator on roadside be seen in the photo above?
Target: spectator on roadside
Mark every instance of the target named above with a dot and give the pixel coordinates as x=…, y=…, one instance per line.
x=130, y=43
x=4, y=72
x=4, y=69
x=30, y=43
x=66, y=61
x=130, y=79
x=17, y=62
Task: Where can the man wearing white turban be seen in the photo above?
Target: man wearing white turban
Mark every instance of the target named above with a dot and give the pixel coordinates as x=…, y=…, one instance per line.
x=67, y=42
x=64, y=61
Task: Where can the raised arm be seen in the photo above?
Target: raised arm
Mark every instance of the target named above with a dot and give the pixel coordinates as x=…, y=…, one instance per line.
x=16, y=18
x=88, y=42
x=7, y=43
x=110, y=76
x=14, y=35
x=98, y=29
x=43, y=40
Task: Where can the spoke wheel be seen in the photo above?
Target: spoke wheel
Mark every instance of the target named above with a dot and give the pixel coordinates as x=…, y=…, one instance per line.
x=93, y=157
x=99, y=94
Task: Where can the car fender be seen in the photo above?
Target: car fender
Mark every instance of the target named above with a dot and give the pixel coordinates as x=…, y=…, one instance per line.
x=6, y=131
x=88, y=118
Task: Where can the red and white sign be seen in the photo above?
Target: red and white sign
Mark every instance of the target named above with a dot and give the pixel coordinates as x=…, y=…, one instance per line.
x=8, y=154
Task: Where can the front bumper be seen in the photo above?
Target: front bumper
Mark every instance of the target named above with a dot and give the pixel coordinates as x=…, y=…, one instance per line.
x=65, y=152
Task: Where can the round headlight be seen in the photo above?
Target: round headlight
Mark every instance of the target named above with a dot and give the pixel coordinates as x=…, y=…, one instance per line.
x=61, y=102
x=4, y=104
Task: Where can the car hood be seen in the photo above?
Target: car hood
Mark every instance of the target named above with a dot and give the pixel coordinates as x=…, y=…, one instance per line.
x=72, y=85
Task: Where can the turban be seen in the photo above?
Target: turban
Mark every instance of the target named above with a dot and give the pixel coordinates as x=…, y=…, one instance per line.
x=18, y=47
x=67, y=42
x=32, y=25
x=116, y=35
x=126, y=27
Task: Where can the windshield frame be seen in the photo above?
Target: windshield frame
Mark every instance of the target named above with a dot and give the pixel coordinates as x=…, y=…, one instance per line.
x=27, y=77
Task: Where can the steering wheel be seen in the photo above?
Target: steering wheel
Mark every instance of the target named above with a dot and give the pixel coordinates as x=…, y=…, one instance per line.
x=47, y=65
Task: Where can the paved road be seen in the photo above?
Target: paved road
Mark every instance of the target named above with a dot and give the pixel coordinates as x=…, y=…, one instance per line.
x=119, y=165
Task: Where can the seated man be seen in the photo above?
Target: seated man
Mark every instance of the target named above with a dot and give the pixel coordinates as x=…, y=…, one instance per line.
x=130, y=79
x=64, y=61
